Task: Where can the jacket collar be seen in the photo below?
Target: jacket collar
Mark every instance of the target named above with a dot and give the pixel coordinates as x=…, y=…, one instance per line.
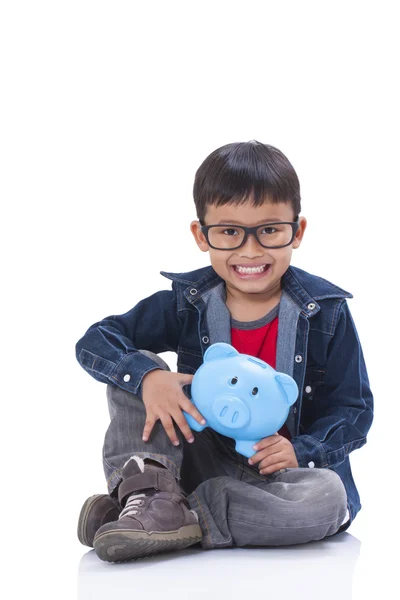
x=196, y=282
x=304, y=289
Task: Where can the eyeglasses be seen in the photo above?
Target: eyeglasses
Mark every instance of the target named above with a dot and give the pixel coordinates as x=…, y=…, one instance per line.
x=231, y=237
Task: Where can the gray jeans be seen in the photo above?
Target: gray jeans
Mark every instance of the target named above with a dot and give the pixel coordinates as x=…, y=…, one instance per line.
x=236, y=505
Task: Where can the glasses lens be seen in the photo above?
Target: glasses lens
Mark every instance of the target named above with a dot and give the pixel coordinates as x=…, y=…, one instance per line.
x=225, y=237
x=276, y=234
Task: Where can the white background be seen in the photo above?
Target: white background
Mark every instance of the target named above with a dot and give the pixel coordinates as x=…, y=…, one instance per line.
x=107, y=110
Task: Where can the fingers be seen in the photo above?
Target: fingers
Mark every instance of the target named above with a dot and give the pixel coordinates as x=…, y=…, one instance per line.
x=266, y=447
x=274, y=458
x=271, y=463
x=165, y=401
x=185, y=378
x=148, y=426
x=190, y=408
x=268, y=441
x=273, y=468
x=260, y=456
x=271, y=460
x=168, y=425
x=183, y=426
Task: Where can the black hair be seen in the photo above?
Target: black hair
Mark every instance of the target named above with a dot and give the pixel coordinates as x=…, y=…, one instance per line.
x=235, y=172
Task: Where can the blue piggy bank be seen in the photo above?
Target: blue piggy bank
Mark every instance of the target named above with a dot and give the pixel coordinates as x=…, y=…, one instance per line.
x=240, y=396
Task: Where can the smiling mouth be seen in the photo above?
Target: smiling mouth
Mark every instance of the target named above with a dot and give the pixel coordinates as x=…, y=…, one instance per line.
x=250, y=270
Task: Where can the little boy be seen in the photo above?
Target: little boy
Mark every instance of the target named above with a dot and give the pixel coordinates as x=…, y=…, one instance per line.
x=169, y=487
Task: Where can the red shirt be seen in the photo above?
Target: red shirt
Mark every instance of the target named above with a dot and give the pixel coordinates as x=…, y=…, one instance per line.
x=261, y=343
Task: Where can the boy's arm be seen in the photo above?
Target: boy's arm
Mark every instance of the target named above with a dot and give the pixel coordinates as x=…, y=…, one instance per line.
x=343, y=406
x=109, y=349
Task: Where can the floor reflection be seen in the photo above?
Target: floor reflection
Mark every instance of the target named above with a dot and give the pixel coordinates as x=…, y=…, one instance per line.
x=311, y=571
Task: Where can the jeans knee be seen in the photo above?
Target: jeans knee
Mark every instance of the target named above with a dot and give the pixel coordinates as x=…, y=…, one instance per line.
x=333, y=490
x=333, y=481
x=215, y=487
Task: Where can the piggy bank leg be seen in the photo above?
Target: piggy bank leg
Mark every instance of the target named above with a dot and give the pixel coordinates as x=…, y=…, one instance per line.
x=245, y=447
x=193, y=424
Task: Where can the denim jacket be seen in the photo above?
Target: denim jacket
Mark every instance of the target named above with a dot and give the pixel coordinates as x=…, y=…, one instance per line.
x=317, y=345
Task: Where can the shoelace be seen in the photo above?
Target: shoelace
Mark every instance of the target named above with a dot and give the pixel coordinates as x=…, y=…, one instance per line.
x=133, y=501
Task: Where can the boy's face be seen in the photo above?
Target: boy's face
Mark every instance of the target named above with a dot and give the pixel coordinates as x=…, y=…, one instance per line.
x=231, y=265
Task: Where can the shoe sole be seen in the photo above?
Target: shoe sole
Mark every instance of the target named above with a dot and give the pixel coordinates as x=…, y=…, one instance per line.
x=83, y=517
x=122, y=545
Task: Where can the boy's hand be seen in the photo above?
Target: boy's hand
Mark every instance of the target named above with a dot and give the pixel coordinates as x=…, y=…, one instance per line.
x=274, y=453
x=164, y=399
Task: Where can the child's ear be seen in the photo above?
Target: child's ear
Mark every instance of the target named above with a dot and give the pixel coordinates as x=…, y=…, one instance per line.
x=300, y=232
x=201, y=241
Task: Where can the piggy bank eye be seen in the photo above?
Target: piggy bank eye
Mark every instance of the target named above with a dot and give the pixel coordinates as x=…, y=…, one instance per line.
x=254, y=391
x=234, y=380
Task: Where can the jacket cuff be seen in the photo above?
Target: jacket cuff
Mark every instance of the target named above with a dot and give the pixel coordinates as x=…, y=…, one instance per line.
x=309, y=452
x=127, y=374
x=130, y=371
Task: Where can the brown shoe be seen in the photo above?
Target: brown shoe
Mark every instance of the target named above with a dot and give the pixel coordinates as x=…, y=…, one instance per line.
x=97, y=511
x=156, y=516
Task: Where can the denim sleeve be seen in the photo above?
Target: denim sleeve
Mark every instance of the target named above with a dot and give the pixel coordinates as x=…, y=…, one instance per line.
x=109, y=349
x=343, y=405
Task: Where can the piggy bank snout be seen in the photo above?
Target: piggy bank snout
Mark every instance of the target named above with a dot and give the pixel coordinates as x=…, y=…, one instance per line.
x=231, y=412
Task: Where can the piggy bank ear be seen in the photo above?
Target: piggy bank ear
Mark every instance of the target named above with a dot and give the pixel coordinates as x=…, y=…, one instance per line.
x=288, y=386
x=219, y=350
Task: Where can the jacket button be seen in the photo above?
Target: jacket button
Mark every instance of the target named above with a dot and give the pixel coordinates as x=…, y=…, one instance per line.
x=127, y=377
x=205, y=340
x=193, y=291
x=311, y=464
x=308, y=389
x=311, y=306
x=298, y=358
x=295, y=410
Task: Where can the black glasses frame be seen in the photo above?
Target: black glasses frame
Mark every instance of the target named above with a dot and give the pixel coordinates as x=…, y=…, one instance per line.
x=250, y=231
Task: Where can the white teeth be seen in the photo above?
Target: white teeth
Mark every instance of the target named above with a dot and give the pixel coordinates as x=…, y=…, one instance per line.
x=250, y=270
